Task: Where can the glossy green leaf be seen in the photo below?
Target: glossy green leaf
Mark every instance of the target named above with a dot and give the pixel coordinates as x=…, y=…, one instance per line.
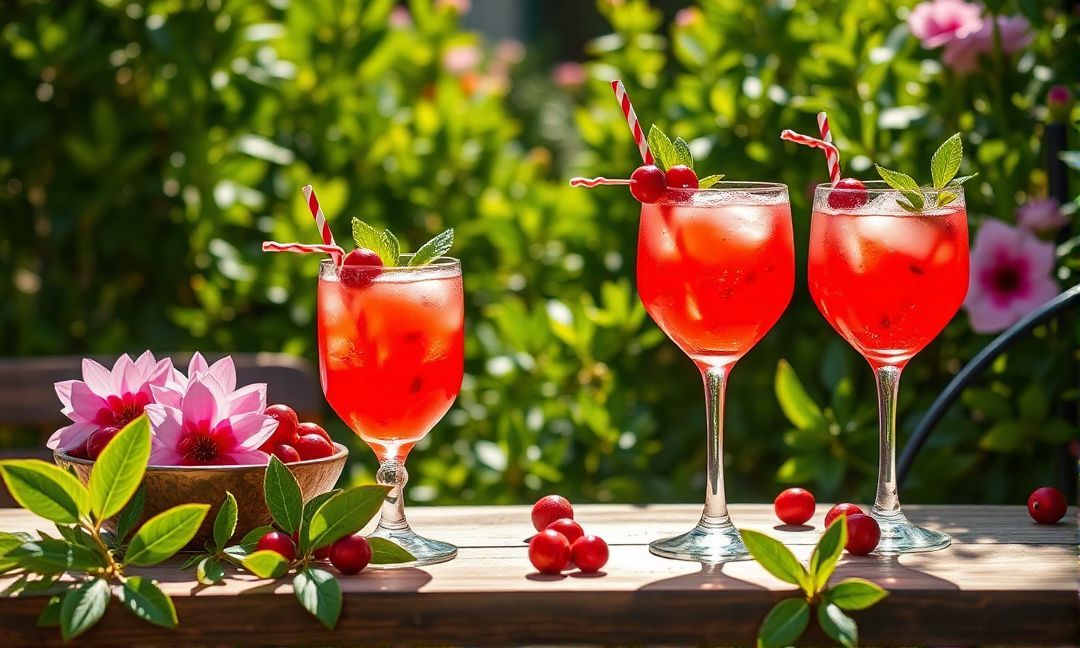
x=710, y=180
x=776, y=558
x=682, y=154
x=796, y=404
x=251, y=538
x=345, y=513
x=366, y=236
x=8, y=542
x=663, y=151
x=855, y=594
x=225, y=521
x=784, y=623
x=83, y=607
x=393, y=247
x=310, y=507
x=946, y=161
x=50, y=614
x=837, y=625
x=320, y=594
x=266, y=564
x=827, y=552
x=433, y=249
x=165, y=534
x=209, y=571
x=130, y=516
x=119, y=469
x=385, y=552
x=283, y=496
x=46, y=490
x=56, y=556
x=144, y=598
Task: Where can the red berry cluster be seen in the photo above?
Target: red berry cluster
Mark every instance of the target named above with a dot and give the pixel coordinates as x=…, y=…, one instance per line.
x=796, y=506
x=294, y=441
x=561, y=540
x=649, y=182
x=349, y=554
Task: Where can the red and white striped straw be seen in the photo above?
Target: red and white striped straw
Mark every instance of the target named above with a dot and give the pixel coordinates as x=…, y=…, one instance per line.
x=832, y=157
x=596, y=182
x=806, y=140
x=302, y=248
x=320, y=222
x=632, y=120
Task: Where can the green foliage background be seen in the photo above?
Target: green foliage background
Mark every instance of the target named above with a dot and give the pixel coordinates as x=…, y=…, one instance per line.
x=148, y=148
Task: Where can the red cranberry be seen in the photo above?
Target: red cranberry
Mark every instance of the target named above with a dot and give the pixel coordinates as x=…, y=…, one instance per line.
x=313, y=428
x=848, y=193
x=549, y=552
x=99, y=439
x=589, y=553
x=313, y=446
x=278, y=542
x=863, y=534
x=350, y=554
x=794, y=505
x=681, y=176
x=286, y=427
x=840, y=510
x=1047, y=505
x=571, y=530
x=78, y=452
x=550, y=508
x=362, y=257
x=648, y=183
x=286, y=453
x=361, y=266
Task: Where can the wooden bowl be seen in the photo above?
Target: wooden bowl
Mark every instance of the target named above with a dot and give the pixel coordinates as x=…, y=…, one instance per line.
x=169, y=486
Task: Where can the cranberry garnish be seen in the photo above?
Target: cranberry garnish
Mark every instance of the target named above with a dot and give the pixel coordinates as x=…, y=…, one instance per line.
x=648, y=183
x=313, y=446
x=840, y=510
x=549, y=552
x=848, y=193
x=863, y=534
x=350, y=554
x=589, y=553
x=550, y=508
x=360, y=267
x=99, y=439
x=1047, y=505
x=571, y=530
x=286, y=453
x=681, y=176
x=278, y=542
x=794, y=505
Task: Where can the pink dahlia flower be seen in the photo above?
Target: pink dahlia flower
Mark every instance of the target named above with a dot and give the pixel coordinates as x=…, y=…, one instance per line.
x=962, y=53
x=251, y=398
x=937, y=22
x=107, y=398
x=1010, y=276
x=1041, y=215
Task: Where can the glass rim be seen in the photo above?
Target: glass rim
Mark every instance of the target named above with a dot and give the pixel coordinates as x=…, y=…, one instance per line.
x=880, y=188
x=442, y=262
x=742, y=186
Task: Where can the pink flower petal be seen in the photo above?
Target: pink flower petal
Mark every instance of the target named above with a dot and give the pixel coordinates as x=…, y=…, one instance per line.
x=167, y=396
x=161, y=373
x=224, y=371
x=1039, y=291
x=146, y=363
x=1040, y=254
x=986, y=317
x=85, y=403
x=248, y=399
x=128, y=375
x=196, y=365
x=162, y=456
x=72, y=436
x=63, y=392
x=242, y=457
x=200, y=403
x=252, y=430
x=98, y=378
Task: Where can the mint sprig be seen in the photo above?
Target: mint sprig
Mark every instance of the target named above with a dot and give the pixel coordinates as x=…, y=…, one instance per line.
x=787, y=620
x=944, y=166
x=667, y=153
x=433, y=249
x=386, y=245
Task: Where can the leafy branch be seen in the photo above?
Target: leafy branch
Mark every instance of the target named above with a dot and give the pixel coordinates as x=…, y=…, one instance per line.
x=386, y=245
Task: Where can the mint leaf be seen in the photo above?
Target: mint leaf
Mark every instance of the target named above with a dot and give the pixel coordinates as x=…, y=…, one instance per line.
x=946, y=196
x=854, y=594
x=393, y=248
x=897, y=180
x=827, y=552
x=839, y=626
x=682, y=153
x=946, y=161
x=433, y=249
x=956, y=182
x=710, y=180
x=784, y=623
x=777, y=559
x=662, y=149
x=366, y=236
x=907, y=206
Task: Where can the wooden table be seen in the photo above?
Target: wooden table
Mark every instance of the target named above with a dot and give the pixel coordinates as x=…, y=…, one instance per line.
x=1004, y=580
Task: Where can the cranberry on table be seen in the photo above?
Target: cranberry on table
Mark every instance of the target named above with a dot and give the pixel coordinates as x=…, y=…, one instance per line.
x=549, y=552
x=1047, y=505
x=286, y=453
x=648, y=183
x=278, y=542
x=848, y=193
x=589, y=553
x=313, y=446
x=549, y=508
x=794, y=506
x=99, y=439
x=350, y=554
x=681, y=176
x=313, y=428
x=840, y=510
x=571, y=530
x=863, y=534
x=286, y=427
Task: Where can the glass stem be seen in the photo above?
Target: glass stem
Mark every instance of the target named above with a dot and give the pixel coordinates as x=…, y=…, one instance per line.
x=716, y=511
x=392, y=473
x=887, y=502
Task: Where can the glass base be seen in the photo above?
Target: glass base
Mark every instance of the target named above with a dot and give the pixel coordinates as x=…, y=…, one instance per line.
x=899, y=536
x=706, y=543
x=427, y=551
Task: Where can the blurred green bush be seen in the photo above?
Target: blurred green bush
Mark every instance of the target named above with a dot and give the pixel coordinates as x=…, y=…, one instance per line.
x=148, y=148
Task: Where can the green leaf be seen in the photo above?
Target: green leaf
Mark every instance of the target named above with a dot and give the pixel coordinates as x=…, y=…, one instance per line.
x=144, y=598
x=119, y=469
x=796, y=404
x=956, y=182
x=283, y=496
x=56, y=556
x=266, y=564
x=906, y=185
x=393, y=248
x=129, y=517
x=50, y=614
x=945, y=196
x=385, y=552
x=251, y=538
x=320, y=593
x=682, y=154
x=433, y=249
x=855, y=594
x=839, y=626
x=776, y=559
x=192, y=559
x=225, y=521
x=784, y=623
x=1005, y=436
x=165, y=534
x=82, y=607
x=827, y=552
x=663, y=150
x=710, y=180
x=8, y=543
x=366, y=236
x=345, y=513
x=209, y=571
x=310, y=507
x=946, y=161
x=1034, y=404
x=46, y=490
x=907, y=205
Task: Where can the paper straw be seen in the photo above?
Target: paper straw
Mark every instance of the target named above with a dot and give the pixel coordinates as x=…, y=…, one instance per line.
x=806, y=140
x=832, y=157
x=320, y=222
x=632, y=120
x=595, y=182
x=302, y=248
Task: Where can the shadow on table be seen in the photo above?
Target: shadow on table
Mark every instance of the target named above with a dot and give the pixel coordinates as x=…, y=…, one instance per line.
x=710, y=577
x=887, y=572
x=405, y=579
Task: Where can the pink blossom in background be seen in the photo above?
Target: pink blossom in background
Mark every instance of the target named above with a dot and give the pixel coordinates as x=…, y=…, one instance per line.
x=1010, y=276
x=687, y=17
x=460, y=6
x=509, y=51
x=1058, y=95
x=461, y=58
x=400, y=18
x=1041, y=215
x=938, y=22
x=210, y=425
x=962, y=54
x=569, y=75
x=107, y=398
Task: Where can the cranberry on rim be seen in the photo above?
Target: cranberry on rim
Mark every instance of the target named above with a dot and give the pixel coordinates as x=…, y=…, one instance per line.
x=681, y=176
x=848, y=193
x=648, y=183
x=360, y=267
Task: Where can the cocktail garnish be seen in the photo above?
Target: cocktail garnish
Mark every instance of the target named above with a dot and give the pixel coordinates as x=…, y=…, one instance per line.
x=943, y=167
x=386, y=245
